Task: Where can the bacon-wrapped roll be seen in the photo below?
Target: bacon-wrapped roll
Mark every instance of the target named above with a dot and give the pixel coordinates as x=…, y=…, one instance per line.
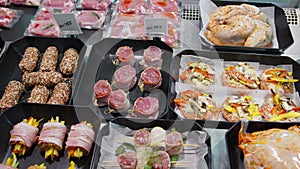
x=29, y=60
x=39, y=94
x=12, y=94
x=174, y=143
x=152, y=57
x=51, y=137
x=102, y=90
x=80, y=139
x=160, y=160
x=60, y=94
x=150, y=79
x=42, y=78
x=146, y=107
x=125, y=55
x=23, y=135
x=125, y=77
x=69, y=62
x=118, y=101
x=141, y=138
x=127, y=160
x=49, y=59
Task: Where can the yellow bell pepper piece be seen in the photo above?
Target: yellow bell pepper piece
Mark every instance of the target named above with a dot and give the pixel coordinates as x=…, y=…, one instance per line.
x=288, y=115
x=284, y=80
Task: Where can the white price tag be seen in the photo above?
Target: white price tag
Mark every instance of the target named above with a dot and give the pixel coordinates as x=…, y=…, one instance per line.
x=68, y=23
x=156, y=26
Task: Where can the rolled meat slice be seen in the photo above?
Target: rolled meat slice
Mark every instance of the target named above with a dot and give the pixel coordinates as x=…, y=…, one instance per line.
x=51, y=137
x=118, y=101
x=125, y=77
x=152, y=57
x=49, y=59
x=102, y=90
x=125, y=55
x=23, y=135
x=29, y=60
x=146, y=107
x=158, y=139
x=174, y=143
x=80, y=139
x=150, y=79
x=39, y=94
x=69, y=62
x=127, y=160
x=160, y=160
x=60, y=94
x=141, y=138
x=12, y=94
x=47, y=79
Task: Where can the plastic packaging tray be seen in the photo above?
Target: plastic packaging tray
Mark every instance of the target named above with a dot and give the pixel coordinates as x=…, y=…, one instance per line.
x=71, y=115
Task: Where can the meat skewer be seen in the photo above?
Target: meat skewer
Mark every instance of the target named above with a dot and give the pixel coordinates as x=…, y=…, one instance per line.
x=80, y=139
x=102, y=90
x=12, y=94
x=146, y=107
x=39, y=94
x=150, y=79
x=60, y=94
x=118, y=101
x=51, y=137
x=152, y=57
x=11, y=163
x=125, y=56
x=174, y=143
x=23, y=135
x=29, y=60
x=69, y=62
x=142, y=138
x=49, y=59
x=48, y=79
x=125, y=77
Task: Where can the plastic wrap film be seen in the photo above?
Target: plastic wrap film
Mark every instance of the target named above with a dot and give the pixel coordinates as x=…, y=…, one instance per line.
x=90, y=19
x=101, y=5
x=9, y=17
x=26, y=2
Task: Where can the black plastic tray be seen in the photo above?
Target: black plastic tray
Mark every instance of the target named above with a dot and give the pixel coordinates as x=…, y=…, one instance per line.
x=70, y=114
x=236, y=156
x=136, y=124
x=9, y=62
x=262, y=59
x=283, y=32
x=100, y=66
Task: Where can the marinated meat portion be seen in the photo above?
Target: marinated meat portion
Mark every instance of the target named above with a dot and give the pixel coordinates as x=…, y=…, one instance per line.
x=146, y=107
x=26, y=2
x=45, y=13
x=23, y=135
x=131, y=6
x=273, y=148
x=150, y=79
x=118, y=101
x=48, y=79
x=277, y=79
x=59, y=3
x=174, y=143
x=60, y=94
x=51, y=137
x=39, y=94
x=163, y=6
x=80, y=139
x=241, y=76
x=141, y=138
x=44, y=28
x=29, y=60
x=68, y=64
x=12, y=94
x=125, y=55
x=198, y=73
x=197, y=105
x=125, y=77
x=49, y=59
x=3, y=2
x=236, y=108
x=102, y=90
x=91, y=19
x=127, y=160
x=95, y=4
x=6, y=16
x=152, y=57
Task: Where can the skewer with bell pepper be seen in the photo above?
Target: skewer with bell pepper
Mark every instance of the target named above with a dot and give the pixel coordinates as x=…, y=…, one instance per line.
x=80, y=139
x=51, y=137
x=23, y=135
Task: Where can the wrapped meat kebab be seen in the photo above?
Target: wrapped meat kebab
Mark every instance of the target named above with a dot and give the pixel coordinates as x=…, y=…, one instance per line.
x=80, y=139
x=23, y=136
x=146, y=107
x=39, y=94
x=51, y=137
x=42, y=78
x=29, y=60
x=152, y=57
x=125, y=77
x=118, y=101
x=150, y=79
x=68, y=64
x=12, y=94
x=102, y=91
x=9, y=17
x=141, y=138
x=60, y=94
x=125, y=56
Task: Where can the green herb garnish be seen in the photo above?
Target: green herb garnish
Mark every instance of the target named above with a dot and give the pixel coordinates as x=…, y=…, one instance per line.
x=174, y=158
x=123, y=148
x=48, y=26
x=57, y=10
x=148, y=165
x=96, y=15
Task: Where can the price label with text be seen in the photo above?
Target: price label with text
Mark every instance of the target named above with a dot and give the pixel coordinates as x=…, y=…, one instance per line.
x=156, y=26
x=68, y=23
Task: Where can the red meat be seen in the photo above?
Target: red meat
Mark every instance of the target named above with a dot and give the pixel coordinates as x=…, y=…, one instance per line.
x=146, y=107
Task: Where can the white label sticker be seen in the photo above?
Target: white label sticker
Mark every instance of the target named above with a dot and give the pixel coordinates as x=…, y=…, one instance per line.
x=156, y=26
x=68, y=23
